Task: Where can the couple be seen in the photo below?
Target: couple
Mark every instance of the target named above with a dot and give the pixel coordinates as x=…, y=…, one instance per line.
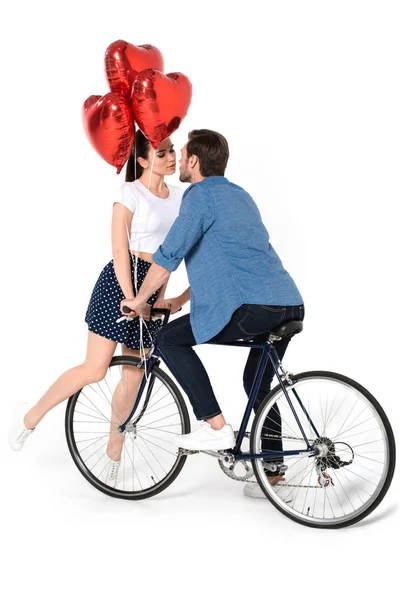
x=238, y=286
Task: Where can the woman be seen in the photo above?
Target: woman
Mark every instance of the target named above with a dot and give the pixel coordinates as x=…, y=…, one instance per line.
x=140, y=223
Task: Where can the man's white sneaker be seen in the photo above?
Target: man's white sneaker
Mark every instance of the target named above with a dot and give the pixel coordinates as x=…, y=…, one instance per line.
x=18, y=433
x=207, y=438
x=111, y=473
x=253, y=490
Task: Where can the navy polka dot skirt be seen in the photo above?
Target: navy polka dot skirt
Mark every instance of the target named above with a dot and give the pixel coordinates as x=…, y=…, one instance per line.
x=104, y=308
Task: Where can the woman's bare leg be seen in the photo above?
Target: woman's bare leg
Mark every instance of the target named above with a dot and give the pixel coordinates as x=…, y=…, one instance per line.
x=99, y=353
x=122, y=403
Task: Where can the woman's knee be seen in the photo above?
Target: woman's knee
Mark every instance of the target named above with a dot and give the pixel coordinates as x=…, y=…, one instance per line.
x=94, y=372
x=132, y=352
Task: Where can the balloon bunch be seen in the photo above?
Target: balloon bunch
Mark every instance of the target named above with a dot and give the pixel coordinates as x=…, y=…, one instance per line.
x=140, y=92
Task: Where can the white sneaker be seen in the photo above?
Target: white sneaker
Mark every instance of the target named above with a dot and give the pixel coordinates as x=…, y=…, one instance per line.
x=207, y=438
x=111, y=475
x=18, y=433
x=253, y=490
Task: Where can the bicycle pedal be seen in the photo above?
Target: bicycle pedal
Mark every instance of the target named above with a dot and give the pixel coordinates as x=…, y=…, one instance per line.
x=275, y=468
x=184, y=452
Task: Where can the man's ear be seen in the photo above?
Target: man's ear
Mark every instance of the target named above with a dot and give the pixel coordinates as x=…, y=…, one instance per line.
x=193, y=160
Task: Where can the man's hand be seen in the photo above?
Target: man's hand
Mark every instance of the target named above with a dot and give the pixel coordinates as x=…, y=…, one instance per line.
x=174, y=304
x=137, y=308
x=161, y=303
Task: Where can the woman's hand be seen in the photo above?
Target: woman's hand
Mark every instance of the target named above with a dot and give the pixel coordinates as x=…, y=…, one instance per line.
x=174, y=304
x=138, y=308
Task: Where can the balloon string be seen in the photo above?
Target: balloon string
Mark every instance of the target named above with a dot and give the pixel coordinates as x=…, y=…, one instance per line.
x=151, y=168
x=141, y=320
x=142, y=352
x=135, y=277
x=134, y=156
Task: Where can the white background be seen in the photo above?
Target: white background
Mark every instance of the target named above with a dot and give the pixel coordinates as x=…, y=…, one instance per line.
x=308, y=96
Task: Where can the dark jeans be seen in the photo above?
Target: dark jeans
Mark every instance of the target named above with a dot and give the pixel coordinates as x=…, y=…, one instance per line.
x=175, y=344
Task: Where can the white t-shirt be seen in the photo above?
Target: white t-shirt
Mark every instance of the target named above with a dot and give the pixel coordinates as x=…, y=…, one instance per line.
x=153, y=216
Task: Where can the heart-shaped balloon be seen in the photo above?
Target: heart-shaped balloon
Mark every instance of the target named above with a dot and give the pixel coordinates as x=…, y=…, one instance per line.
x=108, y=123
x=160, y=102
x=124, y=61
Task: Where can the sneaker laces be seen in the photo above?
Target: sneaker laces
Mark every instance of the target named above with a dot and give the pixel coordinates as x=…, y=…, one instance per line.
x=24, y=434
x=113, y=472
x=205, y=425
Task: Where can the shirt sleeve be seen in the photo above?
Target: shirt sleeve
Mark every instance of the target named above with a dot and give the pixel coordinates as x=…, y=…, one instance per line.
x=196, y=215
x=128, y=197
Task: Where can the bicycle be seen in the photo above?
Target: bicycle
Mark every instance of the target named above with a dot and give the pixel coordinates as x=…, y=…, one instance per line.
x=335, y=472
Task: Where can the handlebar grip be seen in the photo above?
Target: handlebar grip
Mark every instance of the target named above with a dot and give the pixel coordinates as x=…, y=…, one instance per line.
x=153, y=311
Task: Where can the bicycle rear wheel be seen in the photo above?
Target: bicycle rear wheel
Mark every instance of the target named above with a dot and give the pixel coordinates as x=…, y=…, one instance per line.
x=354, y=463
x=149, y=460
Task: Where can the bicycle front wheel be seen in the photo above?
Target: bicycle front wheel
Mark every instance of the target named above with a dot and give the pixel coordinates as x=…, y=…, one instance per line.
x=350, y=467
x=149, y=459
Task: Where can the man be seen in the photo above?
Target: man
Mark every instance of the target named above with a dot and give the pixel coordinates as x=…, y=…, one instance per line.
x=238, y=286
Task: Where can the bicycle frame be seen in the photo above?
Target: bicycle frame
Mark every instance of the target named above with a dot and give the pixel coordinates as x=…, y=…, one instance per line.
x=269, y=354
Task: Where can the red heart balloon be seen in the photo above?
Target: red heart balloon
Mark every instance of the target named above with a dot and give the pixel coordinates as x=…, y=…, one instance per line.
x=124, y=61
x=160, y=102
x=108, y=123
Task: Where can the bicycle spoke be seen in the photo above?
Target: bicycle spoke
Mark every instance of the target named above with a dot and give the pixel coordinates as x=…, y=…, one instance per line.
x=367, y=458
x=350, y=424
x=361, y=433
x=152, y=453
x=158, y=446
x=161, y=419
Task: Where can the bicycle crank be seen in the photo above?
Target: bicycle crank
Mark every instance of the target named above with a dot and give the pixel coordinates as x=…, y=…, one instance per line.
x=239, y=470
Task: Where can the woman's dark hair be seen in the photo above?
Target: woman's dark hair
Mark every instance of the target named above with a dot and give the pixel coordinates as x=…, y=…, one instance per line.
x=212, y=150
x=140, y=148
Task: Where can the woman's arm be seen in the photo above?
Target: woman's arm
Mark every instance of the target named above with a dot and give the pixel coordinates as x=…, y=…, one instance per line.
x=120, y=228
x=185, y=296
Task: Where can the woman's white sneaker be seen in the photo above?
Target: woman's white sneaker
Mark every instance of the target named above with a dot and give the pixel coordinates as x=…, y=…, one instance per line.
x=207, y=438
x=18, y=433
x=111, y=474
x=253, y=490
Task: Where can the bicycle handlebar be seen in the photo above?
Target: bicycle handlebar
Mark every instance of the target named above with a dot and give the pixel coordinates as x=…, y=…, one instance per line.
x=164, y=311
x=155, y=311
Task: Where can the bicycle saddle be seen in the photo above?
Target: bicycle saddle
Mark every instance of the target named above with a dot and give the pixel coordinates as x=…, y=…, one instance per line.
x=287, y=329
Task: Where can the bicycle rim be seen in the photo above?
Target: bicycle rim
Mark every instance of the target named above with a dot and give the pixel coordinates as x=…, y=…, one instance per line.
x=351, y=426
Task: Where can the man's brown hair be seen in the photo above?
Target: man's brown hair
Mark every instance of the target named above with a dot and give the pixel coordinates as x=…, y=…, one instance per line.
x=212, y=150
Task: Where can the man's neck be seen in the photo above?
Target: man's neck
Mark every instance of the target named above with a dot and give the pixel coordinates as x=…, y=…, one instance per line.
x=197, y=178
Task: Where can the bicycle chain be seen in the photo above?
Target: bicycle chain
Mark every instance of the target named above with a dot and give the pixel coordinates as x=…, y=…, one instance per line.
x=318, y=487
x=287, y=437
x=229, y=471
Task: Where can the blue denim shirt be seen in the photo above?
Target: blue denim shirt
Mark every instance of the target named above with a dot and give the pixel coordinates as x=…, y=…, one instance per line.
x=229, y=260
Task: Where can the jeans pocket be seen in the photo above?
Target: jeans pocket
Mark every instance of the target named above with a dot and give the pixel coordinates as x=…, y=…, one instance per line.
x=260, y=320
x=274, y=309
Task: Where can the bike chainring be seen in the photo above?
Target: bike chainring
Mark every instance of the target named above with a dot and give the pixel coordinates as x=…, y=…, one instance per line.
x=239, y=470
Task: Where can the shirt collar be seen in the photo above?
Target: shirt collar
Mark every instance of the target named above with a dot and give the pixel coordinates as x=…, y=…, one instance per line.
x=208, y=180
